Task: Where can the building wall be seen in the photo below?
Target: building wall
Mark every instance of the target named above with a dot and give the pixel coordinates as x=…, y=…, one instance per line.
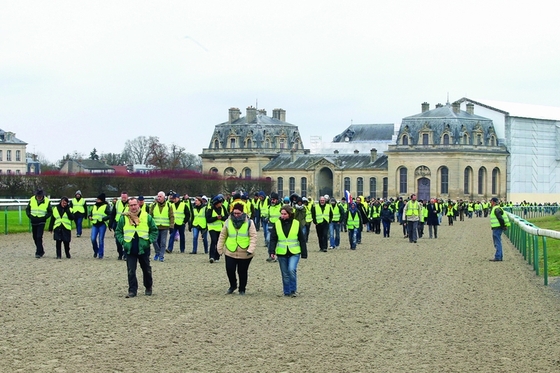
x=13, y=166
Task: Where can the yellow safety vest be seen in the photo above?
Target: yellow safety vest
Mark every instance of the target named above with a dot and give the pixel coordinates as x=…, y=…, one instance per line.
x=39, y=210
x=274, y=213
x=161, y=218
x=78, y=206
x=321, y=215
x=216, y=225
x=179, y=213
x=237, y=238
x=353, y=222
x=142, y=229
x=97, y=214
x=412, y=208
x=494, y=222
x=199, y=217
x=64, y=220
x=290, y=243
x=336, y=213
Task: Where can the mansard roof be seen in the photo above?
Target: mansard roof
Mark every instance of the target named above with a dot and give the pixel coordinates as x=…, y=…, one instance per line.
x=517, y=109
x=366, y=132
x=445, y=120
x=7, y=137
x=338, y=161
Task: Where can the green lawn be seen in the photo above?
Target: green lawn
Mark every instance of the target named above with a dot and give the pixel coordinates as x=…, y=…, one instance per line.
x=14, y=225
x=552, y=245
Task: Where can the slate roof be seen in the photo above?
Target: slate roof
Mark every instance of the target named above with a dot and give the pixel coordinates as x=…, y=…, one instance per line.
x=10, y=138
x=88, y=164
x=340, y=161
x=366, y=132
x=444, y=120
x=518, y=110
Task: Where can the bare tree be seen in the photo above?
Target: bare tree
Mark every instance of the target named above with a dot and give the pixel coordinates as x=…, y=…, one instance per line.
x=191, y=161
x=137, y=151
x=176, y=157
x=113, y=159
x=158, y=155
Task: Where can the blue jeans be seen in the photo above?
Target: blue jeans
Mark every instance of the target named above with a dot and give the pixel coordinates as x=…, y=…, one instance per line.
x=334, y=233
x=497, y=238
x=181, y=230
x=353, y=237
x=264, y=225
x=204, y=233
x=78, y=222
x=98, y=245
x=288, y=268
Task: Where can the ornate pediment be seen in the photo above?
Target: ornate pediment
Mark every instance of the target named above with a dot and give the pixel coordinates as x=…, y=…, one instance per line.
x=422, y=171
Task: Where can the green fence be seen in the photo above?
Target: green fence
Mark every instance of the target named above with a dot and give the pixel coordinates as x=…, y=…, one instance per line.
x=530, y=240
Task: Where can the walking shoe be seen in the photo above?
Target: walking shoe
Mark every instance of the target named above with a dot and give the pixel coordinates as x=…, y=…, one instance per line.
x=156, y=258
x=95, y=255
x=58, y=257
x=293, y=295
x=37, y=256
x=161, y=259
x=79, y=235
x=211, y=260
x=230, y=290
x=168, y=251
x=192, y=252
x=241, y=292
x=269, y=259
x=148, y=292
x=495, y=260
x=130, y=295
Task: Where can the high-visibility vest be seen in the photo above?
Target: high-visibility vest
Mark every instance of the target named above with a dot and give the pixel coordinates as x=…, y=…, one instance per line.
x=199, y=217
x=161, y=218
x=494, y=222
x=412, y=208
x=237, y=237
x=353, y=222
x=290, y=243
x=78, y=206
x=274, y=213
x=216, y=225
x=308, y=215
x=375, y=211
x=323, y=215
x=336, y=213
x=64, y=220
x=39, y=210
x=98, y=213
x=121, y=208
x=263, y=206
x=179, y=213
x=142, y=229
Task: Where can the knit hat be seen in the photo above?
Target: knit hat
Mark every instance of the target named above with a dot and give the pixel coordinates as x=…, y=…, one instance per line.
x=101, y=197
x=78, y=192
x=262, y=194
x=39, y=192
x=273, y=195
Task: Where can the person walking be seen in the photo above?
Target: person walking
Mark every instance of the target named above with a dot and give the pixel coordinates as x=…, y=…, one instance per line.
x=38, y=211
x=322, y=215
x=411, y=213
x=119, y=208
x=61, y=227
x=237, y=241
x=162, y=213
x=99, y=216
x=136, y=231
x=334, y=225
x=499, y=222
x=78, y=207
x=387, y=217
x=199, y=225
x=216, y=215
x=180, y=215
x=273, y=216
x=353, y=224
x=287, y=245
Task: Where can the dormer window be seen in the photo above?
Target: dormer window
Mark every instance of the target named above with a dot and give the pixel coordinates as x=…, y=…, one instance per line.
x=232, y=143
x=425, y=139
x=446, y=139
x=405, y=140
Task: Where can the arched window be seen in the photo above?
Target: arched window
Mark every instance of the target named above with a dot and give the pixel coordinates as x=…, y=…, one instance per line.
x=481, y=179
x=216, y=144
x=466, y=139
x=247, y=173
x=425, y=139
x=292, y=185
x=347, y=184
x=403, y=183
x=280, y=185
x=405, y=140
x=232, y=143
x=385, y=187
x=446, y=139
x=360, y=186
x=304, y=187
x=213, y=170
x=479, y=139
x=444, y=180
x=467, y=181
x=495, y=180
x=373, y=187
x=492, y=141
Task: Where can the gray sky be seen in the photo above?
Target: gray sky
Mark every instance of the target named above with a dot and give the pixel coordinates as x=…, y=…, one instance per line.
x=75, y=75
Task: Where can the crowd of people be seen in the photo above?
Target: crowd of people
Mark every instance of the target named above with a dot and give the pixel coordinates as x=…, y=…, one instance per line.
x=233, y=222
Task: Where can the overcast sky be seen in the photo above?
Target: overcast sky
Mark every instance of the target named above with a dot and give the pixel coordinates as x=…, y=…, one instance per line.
x=75, y=75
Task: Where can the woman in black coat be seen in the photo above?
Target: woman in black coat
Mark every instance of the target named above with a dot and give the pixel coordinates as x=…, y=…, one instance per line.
x=432, y=219
x=61, y=227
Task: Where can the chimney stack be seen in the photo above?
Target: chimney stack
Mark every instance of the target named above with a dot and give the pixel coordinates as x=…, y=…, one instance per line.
x=251, y=114
x=425, y=107
x=438, y=106
x=279, y=114
x=470, y=108
x=456, y=107
x=373, y=153
x=234, y=114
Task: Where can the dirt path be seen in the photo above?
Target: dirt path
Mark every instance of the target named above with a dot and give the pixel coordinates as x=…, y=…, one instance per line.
x=390, y=306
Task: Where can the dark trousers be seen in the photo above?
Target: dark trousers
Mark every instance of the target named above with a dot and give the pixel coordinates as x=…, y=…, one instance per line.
x=323, y=235
x=386, y=228
x=376, y=225
x=120, y=249
x=181, y=230
x=131, y=264
x=214, y=236
x=59, y=248
x=37, y=231
x=242, y=268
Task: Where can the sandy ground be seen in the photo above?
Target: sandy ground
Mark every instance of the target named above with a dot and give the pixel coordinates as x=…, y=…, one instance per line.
x=390, y=306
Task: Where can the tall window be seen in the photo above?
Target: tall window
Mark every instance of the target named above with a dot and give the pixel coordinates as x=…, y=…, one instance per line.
x=0, y=155
x=446, y=139
x=481, y=177
x=18, y=155
x=425, y=139
x=360, y=186
x=405, y=140
x=385, y=187
x=479, y=139
x=216, y=144
x=467, y=181
x=249, y=144
x=292, y=186
x=495, y=175
x=373, y=187
x=280, y=185
x=466, y=139
x=8, y=155
x=347, y=184
x=232, y=143
x=403, y=183
x=17, y=172
x=247, y=173
x=444, y=180
x=304, y=187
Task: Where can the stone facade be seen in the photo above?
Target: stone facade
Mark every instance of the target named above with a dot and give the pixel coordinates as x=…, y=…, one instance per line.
x=12, y=154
